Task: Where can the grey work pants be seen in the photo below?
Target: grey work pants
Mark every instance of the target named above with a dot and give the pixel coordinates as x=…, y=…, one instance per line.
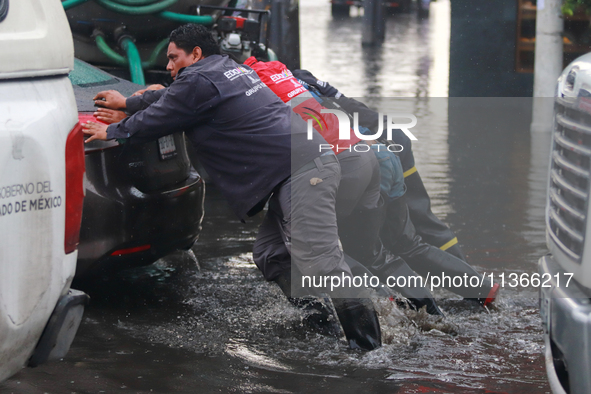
x=301, y=221
x=359, y=188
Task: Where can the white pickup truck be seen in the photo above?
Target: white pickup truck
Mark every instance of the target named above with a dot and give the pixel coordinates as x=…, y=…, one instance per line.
x=41, y=185
x=565, y=305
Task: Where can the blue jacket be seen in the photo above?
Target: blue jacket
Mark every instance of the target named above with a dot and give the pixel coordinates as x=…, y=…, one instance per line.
x=246, y=137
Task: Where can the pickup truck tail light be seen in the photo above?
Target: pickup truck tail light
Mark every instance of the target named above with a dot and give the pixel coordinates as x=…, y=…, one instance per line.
x=74, y=187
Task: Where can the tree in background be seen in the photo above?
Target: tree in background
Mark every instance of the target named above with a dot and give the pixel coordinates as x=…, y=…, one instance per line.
x=570, y=6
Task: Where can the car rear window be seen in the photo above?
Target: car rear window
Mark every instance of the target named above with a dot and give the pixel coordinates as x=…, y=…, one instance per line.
x=85, y=75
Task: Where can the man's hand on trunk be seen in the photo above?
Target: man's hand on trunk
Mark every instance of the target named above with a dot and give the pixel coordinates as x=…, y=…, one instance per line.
x=96, y=131
x=111, y=99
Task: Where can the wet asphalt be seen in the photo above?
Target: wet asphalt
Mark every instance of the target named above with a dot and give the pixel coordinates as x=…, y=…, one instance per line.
x=206, y=321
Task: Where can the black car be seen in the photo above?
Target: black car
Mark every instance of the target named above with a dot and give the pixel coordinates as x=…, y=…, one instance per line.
x=143, y=200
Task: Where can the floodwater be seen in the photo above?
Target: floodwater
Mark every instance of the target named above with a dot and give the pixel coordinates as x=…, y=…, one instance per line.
x=185, y=327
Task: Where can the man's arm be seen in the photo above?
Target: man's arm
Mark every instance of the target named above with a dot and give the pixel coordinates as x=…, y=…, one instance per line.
x=109, y=116
x=185, y=103
x=142, y=101
x=112, y=99
x=325, y=89
x=151, y=87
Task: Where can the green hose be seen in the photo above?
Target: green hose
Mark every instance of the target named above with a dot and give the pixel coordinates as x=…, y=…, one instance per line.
x=115, y=5
x=135, y=61
x=139, y=7
x=107, y=51
x=121, y=60
x=72, y=3
x=151, y=62
x=136, y=3
x=145, y=7
x=182, y=18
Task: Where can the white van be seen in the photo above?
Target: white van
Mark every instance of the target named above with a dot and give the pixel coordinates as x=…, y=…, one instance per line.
x=41, y=185
x=565, y=292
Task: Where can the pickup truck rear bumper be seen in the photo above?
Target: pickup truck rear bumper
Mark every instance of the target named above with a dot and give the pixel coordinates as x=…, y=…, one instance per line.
x=61, y=328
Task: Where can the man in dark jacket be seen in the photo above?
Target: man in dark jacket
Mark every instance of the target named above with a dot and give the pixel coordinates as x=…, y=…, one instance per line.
x=359, y=207
x=410, y=229
x=427, y=225
x=255, y=151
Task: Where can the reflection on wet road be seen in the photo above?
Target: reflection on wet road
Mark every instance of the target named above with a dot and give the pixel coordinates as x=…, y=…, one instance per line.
x=413, y=62
x=183, y=327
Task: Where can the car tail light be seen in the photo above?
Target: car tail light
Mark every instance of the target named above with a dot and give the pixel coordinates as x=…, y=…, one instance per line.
x=131, y=250
x=96, y=145
x=83, y=118
x=74, y=187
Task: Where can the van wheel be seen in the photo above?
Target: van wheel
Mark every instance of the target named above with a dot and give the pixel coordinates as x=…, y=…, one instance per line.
x=340, y=10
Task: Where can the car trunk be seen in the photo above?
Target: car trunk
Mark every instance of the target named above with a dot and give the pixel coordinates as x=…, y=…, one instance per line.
x=156, y=164
x=147, y=165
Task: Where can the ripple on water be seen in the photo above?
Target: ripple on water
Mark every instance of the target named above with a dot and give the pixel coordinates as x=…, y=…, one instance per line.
x=230, y=311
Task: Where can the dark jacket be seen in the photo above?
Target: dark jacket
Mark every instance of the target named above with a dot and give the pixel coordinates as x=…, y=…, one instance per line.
x=310, y=81
x=246, y=138
x=367, y=117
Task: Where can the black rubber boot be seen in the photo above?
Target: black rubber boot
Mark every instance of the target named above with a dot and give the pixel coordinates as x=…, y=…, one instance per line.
x=358, y=269
x=455, y=250
x=359, y=321
x=418, y=296
x=359, y=233
x=357, y=315
x=432, y=230
x=399, y=236
x=388, y=265
x=359, y=236
x=320, y=317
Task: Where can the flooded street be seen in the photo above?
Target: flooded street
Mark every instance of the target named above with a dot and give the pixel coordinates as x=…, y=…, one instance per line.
x=209, y=322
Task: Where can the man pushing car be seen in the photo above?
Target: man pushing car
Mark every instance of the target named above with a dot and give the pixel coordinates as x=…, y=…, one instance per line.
x=256, y=152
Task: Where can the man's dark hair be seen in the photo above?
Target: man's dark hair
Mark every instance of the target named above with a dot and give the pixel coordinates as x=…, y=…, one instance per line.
x=189, y=36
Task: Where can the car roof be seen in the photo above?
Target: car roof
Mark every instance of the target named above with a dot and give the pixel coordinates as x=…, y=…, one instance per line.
x=88, y=80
